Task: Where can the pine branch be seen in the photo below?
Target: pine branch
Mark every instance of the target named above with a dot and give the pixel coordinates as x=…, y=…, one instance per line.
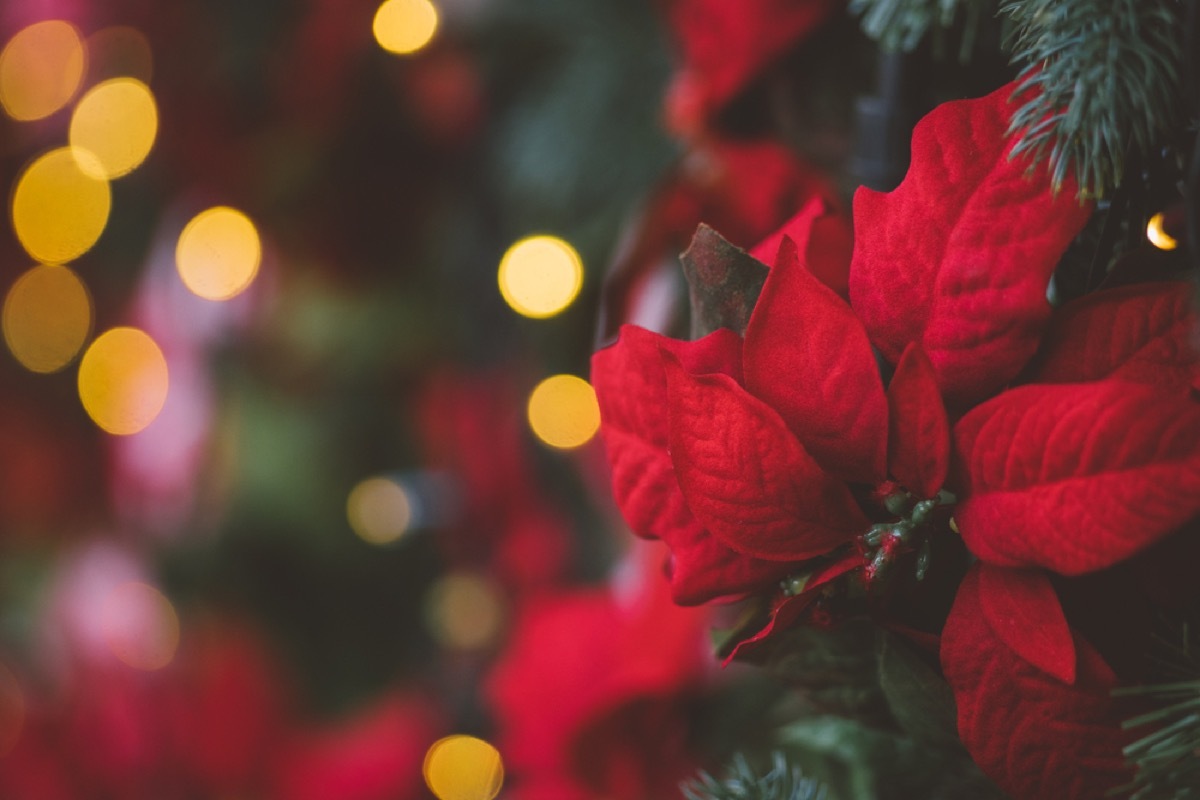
x=902, y=24
x=1101, y=82
x=783, y=782
x=1168, y=758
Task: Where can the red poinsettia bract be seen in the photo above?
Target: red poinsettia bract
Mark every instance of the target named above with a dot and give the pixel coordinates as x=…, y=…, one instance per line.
x=1091, y=463
x=743, y=455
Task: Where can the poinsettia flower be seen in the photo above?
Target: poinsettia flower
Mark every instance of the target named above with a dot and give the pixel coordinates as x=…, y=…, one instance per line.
x=755, y=445
x=592, y=694
x=959, y=256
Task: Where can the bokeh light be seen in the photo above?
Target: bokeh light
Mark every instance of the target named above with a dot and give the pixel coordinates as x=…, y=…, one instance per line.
x=405, y=26
x=563, y=411
x=379, y=510
x=47, y=317
x=463, y=768
x=464, y=611
x=141, y=626
x=539, y=276
x=1157, y=234
x=59, y=210
x=218, y=253
x=40, y=69
x=116, y=121
x=120, y=51
x=123, y=380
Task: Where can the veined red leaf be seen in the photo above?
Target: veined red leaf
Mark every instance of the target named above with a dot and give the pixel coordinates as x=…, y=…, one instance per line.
x=918, y=431
x=1037, y=737
x=746, y=478
x=959, y=256
x=1076, y=477
x=1024, y=612
x=703, y=568
x=808, y=357
x=824, y=239
x=1145, y=333
x=632, y=393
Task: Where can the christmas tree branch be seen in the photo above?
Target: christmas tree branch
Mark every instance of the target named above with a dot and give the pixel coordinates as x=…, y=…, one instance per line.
x=902, y=24
x=1099, y=81
x=783, y=782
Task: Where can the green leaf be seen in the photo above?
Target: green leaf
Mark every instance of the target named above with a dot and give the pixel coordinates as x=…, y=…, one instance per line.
x=920, y=699
x=724, y=282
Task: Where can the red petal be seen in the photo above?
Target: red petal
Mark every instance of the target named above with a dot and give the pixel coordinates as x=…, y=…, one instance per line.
x=825, y=239
x=1038, y=738
x=747, y=478
x=1023, y=610
x=1076, y=477
x=919, y=433
x=786, y=613
x=1144, y=333
x=632, y=392
x=808, y=357
x=960, y=255
x=703, y=568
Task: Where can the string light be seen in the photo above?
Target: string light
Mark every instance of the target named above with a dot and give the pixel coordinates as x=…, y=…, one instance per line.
x=540, y=276
x=116, y=121
x=218, y=253
x=59, y=209
x=379, y=510
x=1157, y=234
x=40, y=69
x=563, y=411
x=405, y=26
x=123, y=380
x=463, y=768
x=47, y=317
x=141, y=626
x=464, y=611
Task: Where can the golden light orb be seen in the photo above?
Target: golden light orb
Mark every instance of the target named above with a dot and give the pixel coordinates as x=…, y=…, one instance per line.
x=539, y=276
x=464, y=611
x=463, y=768
x=405, y=26
x=47, y=317
x=117, y=122
x=379, y=510
x=40, y=69
x=123, y=380
x=563, y=411
x=141, y=627
x=59, y=209
x=1158, y=235
x=218, y=253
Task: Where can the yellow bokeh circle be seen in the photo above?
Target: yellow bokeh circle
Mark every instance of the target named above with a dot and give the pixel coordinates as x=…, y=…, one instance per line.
x=40, y=69
x=563, y=411
x=463, y=768
x=59, y=210
x=47, y=317
x=116, y=121
x=379, y=510
x=405, y=26
x=218, y=253
x=464, y=611
x=123, y=380
x=539, y=276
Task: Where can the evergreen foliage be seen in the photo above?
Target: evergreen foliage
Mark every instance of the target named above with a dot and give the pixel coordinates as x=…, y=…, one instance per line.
x=1099, y=80
x=783, y=782
x=902, y=24
x=1168, y=758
